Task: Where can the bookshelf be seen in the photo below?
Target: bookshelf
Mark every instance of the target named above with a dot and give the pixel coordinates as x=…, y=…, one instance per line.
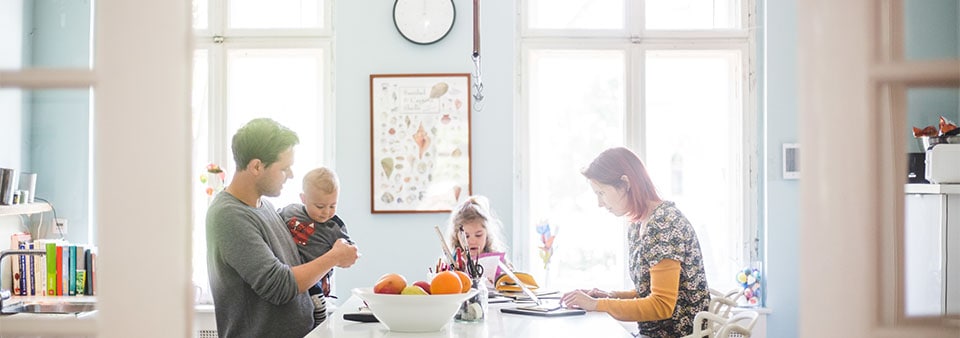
x=24, y=209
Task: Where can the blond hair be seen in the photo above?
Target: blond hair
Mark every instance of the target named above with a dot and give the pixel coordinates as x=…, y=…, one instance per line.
x=476, y=208
x=321, y=179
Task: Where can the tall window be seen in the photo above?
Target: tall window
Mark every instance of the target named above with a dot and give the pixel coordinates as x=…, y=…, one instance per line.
x=670, y=79
x=258, y=59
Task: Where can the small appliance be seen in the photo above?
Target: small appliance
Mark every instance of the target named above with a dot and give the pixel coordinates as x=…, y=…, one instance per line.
x=943, y=163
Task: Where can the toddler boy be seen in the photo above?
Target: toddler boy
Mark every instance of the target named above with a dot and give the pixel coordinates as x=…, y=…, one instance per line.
x=315, y=227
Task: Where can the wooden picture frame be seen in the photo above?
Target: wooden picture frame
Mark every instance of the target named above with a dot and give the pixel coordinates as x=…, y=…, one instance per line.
x=420, y=157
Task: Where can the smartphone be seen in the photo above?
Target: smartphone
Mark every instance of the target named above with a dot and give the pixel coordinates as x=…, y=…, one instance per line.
x=364, y=317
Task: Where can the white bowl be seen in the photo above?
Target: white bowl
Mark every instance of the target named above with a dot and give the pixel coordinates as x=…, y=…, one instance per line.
x=413, y=313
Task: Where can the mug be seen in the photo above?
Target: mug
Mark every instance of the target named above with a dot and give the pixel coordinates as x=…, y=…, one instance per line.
x=7, y=182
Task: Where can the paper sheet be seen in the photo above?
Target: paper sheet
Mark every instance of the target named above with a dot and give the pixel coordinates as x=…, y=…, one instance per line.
x=488, y=260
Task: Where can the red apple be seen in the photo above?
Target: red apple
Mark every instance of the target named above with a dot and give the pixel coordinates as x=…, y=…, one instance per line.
x=423, y=285
x=391, y=283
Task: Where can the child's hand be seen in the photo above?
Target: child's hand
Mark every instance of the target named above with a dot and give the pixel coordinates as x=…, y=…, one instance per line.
x=344, y=254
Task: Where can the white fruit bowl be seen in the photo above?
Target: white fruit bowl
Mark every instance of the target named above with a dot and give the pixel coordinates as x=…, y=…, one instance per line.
x=413, y=313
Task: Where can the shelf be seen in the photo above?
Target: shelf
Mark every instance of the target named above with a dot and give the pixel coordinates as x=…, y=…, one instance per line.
x=24, y=209
x=932, y=188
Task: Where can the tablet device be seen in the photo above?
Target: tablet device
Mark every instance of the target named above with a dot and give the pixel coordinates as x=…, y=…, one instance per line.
x=555, y=313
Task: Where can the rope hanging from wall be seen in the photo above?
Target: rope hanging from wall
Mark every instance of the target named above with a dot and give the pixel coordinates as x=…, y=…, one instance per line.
x=477, y=78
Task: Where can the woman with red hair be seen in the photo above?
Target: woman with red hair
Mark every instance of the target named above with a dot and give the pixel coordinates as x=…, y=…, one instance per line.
x=665, y=261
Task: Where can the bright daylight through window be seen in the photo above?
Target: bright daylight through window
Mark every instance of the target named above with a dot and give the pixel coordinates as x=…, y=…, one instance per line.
x=237, y=65
x=676, y=90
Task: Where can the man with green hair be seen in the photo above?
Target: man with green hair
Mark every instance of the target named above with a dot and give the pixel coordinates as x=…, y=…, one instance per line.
x=258, y=279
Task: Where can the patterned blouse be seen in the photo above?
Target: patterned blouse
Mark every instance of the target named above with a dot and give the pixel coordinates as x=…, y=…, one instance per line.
x=669, y=235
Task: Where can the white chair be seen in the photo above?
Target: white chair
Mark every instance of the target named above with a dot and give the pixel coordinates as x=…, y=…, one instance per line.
x=706, y=325
x=721, y=306
x=741, y=323
x=709, y=325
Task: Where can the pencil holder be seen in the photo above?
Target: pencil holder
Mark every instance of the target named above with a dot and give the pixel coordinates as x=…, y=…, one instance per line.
x=475, y=308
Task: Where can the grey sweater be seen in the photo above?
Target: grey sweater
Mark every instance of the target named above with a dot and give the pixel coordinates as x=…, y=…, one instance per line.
x=249, y=259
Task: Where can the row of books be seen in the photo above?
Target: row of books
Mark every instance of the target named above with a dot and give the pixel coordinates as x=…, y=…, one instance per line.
x=65, y=270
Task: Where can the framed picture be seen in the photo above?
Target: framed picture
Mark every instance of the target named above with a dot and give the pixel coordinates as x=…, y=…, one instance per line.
x=419, y=142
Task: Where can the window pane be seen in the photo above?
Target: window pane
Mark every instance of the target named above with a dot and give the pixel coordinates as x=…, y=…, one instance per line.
x=931, y=29
x=692, y=14
x=576, y=14
x=574, y=93
x=45, y=34
x=276, y=14
x=693, y=144
x=48, y=132
x=199, y=104
x=285, y=85
x=201, y=9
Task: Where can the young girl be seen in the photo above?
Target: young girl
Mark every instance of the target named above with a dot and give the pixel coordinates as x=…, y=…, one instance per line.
x=481, y=227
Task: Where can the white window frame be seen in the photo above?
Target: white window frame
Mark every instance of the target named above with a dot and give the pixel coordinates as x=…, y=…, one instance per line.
x=244, y=39
x=634, y=41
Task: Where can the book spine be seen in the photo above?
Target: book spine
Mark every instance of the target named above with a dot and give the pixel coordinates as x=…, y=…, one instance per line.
x=81, y=276
x=21, y=272
x=40, y=269
x=72, y=271
x=81, y=271
x=88, y=263
x=93, y=273
x=31, y=276
x=59, y=270
x=51, y=258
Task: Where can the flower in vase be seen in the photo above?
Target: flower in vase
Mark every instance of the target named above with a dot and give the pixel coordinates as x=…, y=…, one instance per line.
x=213, y=178
x=547, y=235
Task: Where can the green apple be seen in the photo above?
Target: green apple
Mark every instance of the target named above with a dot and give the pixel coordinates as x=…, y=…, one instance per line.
x=412, y=290
x=423, y=285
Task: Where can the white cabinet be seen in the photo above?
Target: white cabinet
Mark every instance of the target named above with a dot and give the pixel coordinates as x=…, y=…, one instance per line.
x=932, y=249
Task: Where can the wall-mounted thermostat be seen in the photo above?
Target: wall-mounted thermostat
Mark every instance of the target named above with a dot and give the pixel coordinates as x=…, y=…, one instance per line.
x=791, y=161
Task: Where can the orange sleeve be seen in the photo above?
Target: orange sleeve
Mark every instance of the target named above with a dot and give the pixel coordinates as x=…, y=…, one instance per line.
x=624, y=294
x=659, y=305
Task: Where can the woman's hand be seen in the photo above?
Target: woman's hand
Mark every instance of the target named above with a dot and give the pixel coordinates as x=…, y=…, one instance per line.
x=579, y=299
x=597, y=293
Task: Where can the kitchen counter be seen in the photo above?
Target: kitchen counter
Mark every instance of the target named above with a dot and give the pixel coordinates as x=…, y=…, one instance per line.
x=49, y=323
x=921, y=188
x=496, y=325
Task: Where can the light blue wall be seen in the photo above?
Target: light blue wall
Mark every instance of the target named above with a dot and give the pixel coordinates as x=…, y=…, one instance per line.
x=782, y=196
x=55, y=123
x=368, y=43
x=932, y=31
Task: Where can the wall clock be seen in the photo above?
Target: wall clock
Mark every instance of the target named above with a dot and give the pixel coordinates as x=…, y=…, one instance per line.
x=424, y=21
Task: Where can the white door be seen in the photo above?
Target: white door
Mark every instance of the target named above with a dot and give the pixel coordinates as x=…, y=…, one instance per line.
x=853, y=77
x=140, y=79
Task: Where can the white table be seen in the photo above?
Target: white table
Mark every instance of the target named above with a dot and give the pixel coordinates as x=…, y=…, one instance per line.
x=496, y=325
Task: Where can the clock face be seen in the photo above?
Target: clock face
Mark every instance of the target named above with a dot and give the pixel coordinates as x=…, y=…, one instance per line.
x=423, y=21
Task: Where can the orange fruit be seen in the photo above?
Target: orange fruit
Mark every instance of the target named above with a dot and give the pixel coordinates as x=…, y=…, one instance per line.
x=446, y=282
x=465, y=282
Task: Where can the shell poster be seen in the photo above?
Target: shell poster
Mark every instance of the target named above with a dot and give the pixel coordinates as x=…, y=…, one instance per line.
x=420, y=142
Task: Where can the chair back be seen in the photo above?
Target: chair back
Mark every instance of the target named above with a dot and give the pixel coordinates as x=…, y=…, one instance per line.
x=741, y=322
